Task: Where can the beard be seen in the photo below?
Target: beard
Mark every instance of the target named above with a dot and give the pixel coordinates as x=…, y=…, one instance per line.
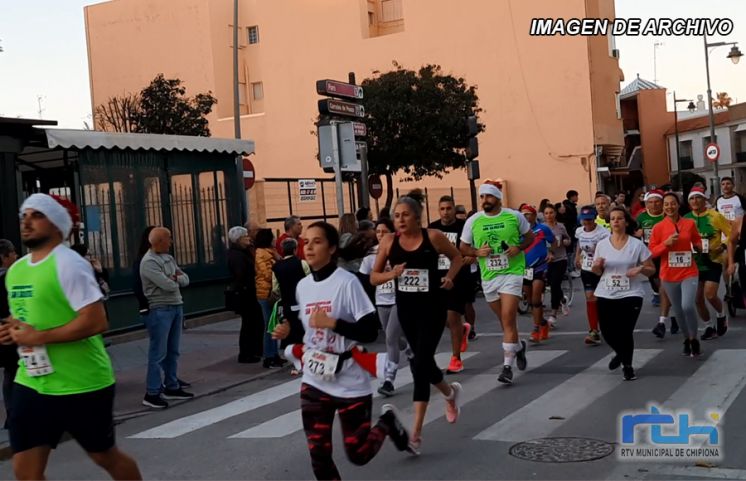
x=488, y=207
x=34, y=243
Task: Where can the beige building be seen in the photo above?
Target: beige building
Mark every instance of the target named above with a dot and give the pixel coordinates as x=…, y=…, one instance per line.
x=550, y=104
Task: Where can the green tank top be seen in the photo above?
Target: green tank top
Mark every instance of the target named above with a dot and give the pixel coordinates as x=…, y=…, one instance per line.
x=36, y=297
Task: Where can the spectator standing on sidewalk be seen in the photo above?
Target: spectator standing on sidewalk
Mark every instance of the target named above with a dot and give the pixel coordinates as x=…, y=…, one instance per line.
x=162, y=280
x=243, y=291
x=99, y=272
x=293, y=230
x=286, y=274
x=264, y=261
x=8, y=354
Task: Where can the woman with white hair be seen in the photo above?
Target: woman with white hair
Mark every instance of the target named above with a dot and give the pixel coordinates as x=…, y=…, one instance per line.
x=241, y=295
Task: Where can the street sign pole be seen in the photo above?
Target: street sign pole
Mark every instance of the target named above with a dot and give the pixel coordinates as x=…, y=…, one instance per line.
x=338, y=172
x=364, y=196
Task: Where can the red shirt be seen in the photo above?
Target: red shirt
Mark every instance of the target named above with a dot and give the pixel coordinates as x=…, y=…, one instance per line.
x=688, y=237
x=301, y=243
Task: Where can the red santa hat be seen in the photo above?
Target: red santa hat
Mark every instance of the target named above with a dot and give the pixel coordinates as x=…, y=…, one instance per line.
x=655, y=193
x=697, y=191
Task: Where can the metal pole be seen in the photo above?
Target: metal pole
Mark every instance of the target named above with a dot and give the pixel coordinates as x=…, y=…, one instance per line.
x=338, y=172
x=716, y=187
x=243, y=194
x=676, y=129
x=364, y=195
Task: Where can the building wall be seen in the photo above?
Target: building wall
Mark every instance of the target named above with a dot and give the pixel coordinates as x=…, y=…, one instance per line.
x=654, y=120
x=536, y=91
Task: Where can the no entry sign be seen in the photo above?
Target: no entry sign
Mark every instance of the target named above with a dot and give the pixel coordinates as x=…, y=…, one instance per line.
x=249, y=176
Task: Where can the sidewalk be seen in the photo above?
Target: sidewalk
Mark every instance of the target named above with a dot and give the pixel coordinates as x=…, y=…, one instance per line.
x=208, y=361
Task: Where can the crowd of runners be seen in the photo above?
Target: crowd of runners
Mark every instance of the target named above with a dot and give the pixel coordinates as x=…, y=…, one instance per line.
x=414, y=282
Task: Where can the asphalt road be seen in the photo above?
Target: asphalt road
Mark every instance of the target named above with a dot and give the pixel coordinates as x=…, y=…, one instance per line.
x=254, y=431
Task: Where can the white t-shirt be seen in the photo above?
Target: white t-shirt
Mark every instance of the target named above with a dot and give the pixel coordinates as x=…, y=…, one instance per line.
x=614, y=282
x=342, y=297
x=730, y=208
x=385, y=293
x=587, y=242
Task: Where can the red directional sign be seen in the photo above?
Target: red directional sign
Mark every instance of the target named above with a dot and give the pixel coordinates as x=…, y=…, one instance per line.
x=334, y=88
x=360, y=129
x=339, y=107
x=249, y=175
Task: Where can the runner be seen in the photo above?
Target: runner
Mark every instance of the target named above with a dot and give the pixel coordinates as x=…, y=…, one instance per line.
x=712, y=227
x=497, y=231
x=647, y=219
x=386, y=305
x=457, y=297
x=65, y=380
x=619, y=260
x=471, y=291
x=537, y=263
x=603, y=204
x=731, y=203
x=420, y=301
x=672, y=240
x=337, y=315
x=557, y=264
x=589, y=234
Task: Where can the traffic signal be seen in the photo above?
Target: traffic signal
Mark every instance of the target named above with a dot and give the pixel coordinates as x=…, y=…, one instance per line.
x=472, y=150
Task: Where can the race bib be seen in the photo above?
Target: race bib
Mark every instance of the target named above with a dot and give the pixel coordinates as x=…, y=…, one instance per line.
x=387, y=288
x=646, y=235
x=319, y=364
x=528, y=274
x=414, y=280
x=444, y=263
x=617, y=282
x=705, y=246
x=587, y=262
x=497, y=262
x=36, y=360
x=679, y=259
x=729, y=212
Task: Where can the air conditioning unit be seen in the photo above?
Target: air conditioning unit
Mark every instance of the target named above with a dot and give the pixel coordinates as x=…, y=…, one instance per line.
x=615, y=53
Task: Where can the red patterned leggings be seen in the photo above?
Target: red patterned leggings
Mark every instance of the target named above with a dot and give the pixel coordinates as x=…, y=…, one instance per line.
x=361, y=442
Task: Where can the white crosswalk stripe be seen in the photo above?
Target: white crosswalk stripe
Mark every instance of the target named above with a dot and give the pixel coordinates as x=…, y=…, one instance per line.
x=567, y=400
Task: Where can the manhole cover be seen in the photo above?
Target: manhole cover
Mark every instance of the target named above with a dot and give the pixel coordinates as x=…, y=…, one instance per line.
x=561, y=450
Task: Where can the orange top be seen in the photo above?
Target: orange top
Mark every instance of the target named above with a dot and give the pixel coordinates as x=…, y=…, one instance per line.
x=688, y=237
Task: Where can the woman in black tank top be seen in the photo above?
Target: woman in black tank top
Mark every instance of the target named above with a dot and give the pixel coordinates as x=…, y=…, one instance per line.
x=413, y=254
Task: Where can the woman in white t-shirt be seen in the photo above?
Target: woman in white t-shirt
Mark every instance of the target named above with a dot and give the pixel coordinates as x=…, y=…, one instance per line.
x=337, y=315
x=387, y=313
x=619, y=260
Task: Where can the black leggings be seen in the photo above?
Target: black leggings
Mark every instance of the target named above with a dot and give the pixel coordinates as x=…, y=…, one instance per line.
x=423, y=326
x=361, y=442
x=618, y=318
x=555, y=275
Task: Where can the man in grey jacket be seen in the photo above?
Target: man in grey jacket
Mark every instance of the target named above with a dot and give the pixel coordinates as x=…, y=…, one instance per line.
x=161, y=282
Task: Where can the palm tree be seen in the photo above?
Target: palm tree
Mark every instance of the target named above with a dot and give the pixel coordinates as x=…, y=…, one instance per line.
x=721, y=101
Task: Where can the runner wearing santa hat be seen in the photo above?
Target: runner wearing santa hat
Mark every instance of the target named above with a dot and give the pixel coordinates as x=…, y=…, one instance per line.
x=646, y=220
x=713, y=227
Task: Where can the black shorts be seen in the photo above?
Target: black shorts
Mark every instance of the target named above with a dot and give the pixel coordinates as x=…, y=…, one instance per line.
x=590, y=280
x=458, y=297
x=474, y=283
x=657, y=264
x=538, y=276
x=713, y=273
x=41, y=419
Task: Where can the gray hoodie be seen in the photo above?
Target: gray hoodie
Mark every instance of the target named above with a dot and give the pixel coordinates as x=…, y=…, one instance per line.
x=157, y=272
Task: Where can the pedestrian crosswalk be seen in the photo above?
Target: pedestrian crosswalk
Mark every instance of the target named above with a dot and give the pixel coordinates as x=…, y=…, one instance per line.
x=569, y=388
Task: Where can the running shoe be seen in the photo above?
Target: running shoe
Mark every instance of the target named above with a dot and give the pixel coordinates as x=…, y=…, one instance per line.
x=696, y=349
x=709, y=334
x=520, y=357
x=465, y=338
x=535, y=336
x=575, y=274
x=687, y=348
x=453, y=406
x=629, y=373
x=176, y=394
x=660, y=330
x=722, y=326
x=544, y=330
x=564, y=307
x=413, y=447
x=593, y=338
x=506, y=377
x=386, y=389
x=615, y=363
x=472, y=334
x=154, y=401
x=656, y=301
x=674, y=326
x=397, y=432
x=552, y=320
x=455, y=366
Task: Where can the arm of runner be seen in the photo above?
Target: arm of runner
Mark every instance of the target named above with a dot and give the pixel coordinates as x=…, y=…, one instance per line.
x=657, y=246
x=378, y=276
x=724, y=225
x=528, y=239
x=91, y=320
x=696, y=238
x=443, y=246
x=733, y=238
x=365, y=326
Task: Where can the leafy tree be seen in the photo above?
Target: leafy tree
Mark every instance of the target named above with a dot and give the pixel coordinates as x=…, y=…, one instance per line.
x=417, y=122
x=160, y=108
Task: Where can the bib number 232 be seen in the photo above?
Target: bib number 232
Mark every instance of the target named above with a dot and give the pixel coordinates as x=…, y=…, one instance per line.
x=36, y=360
x=497, y=262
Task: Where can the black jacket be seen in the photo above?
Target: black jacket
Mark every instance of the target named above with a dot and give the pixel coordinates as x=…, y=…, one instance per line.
x=289, y=273
x=8, y=354
x=243, y=274
x=570, y=218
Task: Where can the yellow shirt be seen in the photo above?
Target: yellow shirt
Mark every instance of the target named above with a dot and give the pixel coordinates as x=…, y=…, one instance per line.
x=602, y=222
